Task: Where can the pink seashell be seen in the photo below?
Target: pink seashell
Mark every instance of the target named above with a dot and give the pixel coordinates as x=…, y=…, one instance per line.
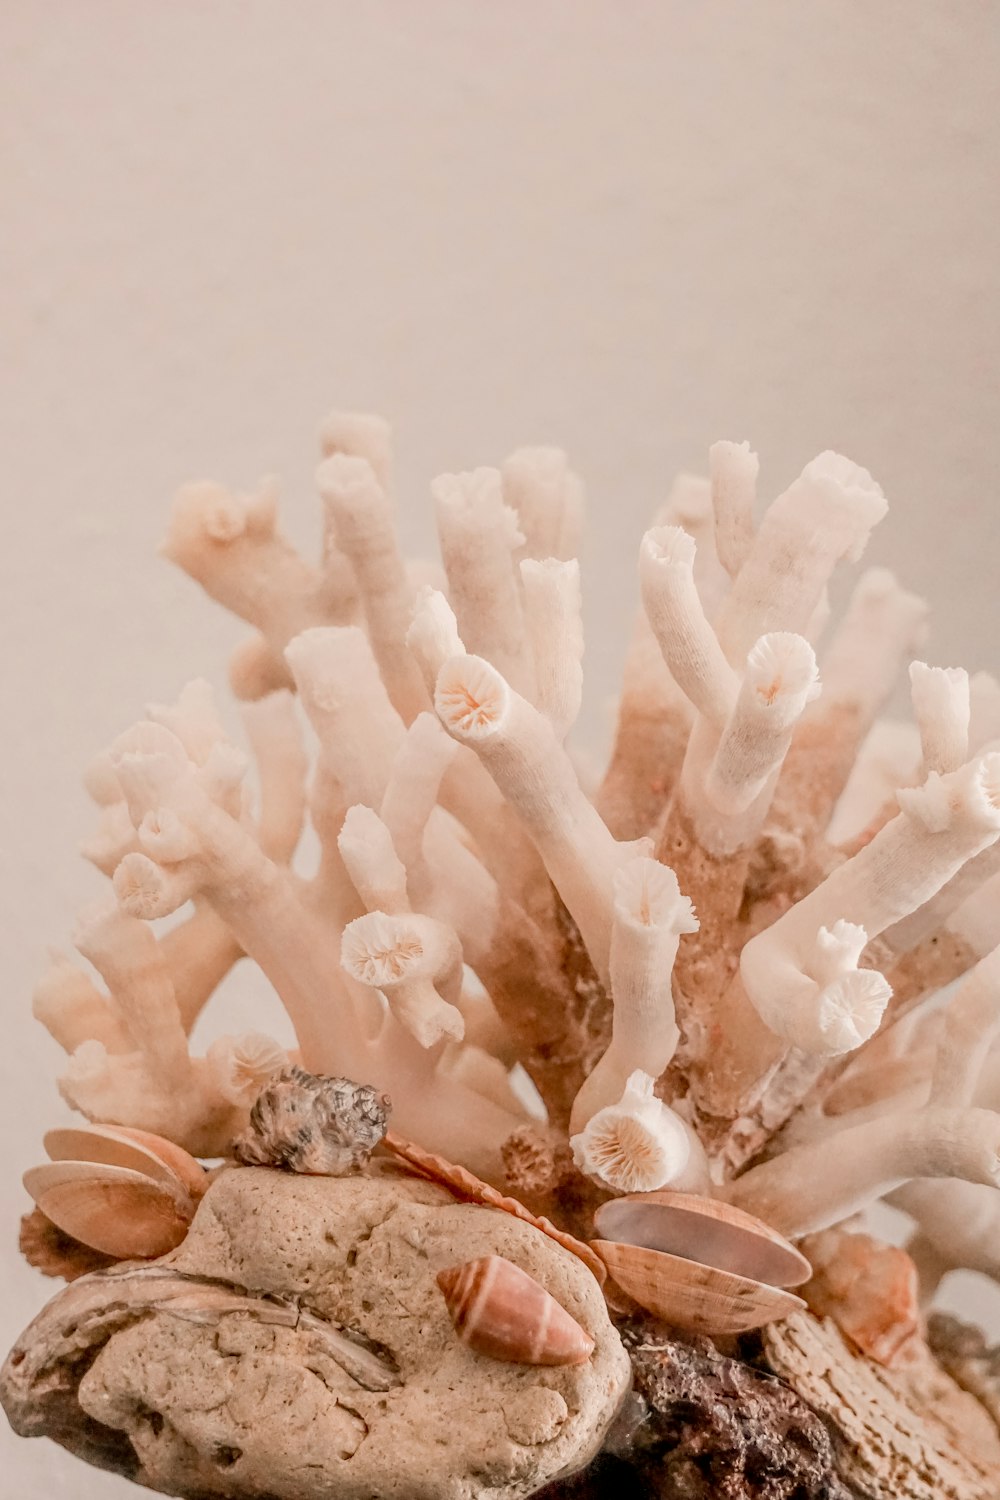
x=500, y=1310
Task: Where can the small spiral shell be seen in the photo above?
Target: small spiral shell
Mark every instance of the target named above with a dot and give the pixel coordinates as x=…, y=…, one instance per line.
x=326, y=1127
x=499, y=1310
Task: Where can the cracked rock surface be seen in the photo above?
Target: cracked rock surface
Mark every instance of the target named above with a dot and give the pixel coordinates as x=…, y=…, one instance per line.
x=314, y=1356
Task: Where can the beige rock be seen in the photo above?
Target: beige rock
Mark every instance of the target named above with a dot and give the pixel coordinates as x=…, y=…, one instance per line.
x=234, y=1403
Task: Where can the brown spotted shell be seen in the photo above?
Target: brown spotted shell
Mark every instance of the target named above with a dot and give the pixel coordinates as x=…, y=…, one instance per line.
x=501, y=1311
x=471, y=1189
x=311, y=1123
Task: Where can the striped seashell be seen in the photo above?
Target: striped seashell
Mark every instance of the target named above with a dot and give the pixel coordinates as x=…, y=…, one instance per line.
x=501, y=1311
x=471, y=1189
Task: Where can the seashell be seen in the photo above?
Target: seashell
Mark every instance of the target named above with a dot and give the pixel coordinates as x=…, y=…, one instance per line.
x=501, y=1311
x=140, y=1150
x=322, y=1126
x=113, y=1209
x=704, y=1230
x=471, y=1189
x=869, y=1289
x=701, y=1299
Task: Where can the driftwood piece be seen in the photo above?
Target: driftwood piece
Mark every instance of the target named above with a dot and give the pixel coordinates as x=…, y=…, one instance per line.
x=909, y=1433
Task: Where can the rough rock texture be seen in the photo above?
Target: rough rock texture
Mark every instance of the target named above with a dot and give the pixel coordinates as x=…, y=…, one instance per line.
x=233, y=1404
x=702, y=1426
x=908, y=1433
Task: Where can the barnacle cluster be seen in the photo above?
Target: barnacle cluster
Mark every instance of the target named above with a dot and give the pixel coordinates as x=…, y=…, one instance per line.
x=717, y=971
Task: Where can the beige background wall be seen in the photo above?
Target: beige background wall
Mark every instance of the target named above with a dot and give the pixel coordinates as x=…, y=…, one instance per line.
x=629, y=228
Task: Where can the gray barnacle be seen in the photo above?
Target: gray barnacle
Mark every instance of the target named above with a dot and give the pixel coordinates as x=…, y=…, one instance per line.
x=323, y=1126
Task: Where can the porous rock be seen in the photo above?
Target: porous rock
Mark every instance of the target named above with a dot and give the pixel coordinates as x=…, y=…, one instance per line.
x=234, y=1404
x=703, y=1426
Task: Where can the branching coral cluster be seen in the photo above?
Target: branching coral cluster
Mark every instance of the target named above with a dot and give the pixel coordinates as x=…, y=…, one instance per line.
x=705, y=990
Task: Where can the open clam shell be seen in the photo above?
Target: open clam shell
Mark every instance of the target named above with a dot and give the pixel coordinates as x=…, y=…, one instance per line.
x=471, y=1189
x=139, y=1150
x=113, y=1209
x=701, y=1299
x=703, y=1230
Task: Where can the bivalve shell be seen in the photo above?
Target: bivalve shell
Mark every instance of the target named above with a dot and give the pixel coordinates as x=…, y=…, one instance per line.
x=704, y=1230
x=112, y=1209
x=120, y=1146
x=501, y=1311
x=701, y=1299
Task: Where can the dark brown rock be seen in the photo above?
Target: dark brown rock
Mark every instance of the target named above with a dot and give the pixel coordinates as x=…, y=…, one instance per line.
x=704, y=1426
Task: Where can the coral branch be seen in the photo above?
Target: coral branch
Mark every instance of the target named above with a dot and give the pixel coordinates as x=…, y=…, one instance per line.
x=734, y=469
x=814, y=1186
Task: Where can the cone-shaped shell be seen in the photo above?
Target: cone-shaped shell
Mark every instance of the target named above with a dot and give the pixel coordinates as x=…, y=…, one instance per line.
x=703, y=1230
x=471, y=1189
x=697, y=1298
x=139, y=1150
x=500, y=1310
x=112, y=1209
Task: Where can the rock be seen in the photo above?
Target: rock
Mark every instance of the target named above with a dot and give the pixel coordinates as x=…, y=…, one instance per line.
x=242, y=1385
x=702, y=1426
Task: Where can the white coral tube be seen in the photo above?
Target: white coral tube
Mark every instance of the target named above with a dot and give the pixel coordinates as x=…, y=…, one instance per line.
x=638, y=1144
x=360, y=434
x=880, y=628
x=367, y=850
x=650, y=915
x=128, y=958
x=674, y=610
x=433, y=636
x=199, y=952
x=554, y=623
x=74, y=1011
x=415, y=962
x=813, y=1186
x=362, y=516
x=231, y=546
x=345, y=699
x=547, y=498
x=411, y=792
x=941, y=707
x=517, y=746
x=826, y=515
x=733, y=470
x=970, y=1026
x=479, y=535
x=941, y=825
x=779, y=681
x=272, y=727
